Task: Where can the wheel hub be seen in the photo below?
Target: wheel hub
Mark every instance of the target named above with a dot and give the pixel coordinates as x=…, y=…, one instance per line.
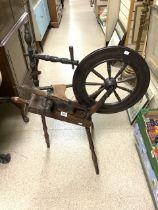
x=110, y=83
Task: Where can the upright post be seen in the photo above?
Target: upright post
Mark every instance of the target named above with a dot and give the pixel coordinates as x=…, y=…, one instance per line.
x=33, y=60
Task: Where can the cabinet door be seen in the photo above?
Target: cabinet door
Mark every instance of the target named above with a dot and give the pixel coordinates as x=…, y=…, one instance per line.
x=16, y=59
x=40, y=19
x=17, y=8
x=6, y=18
x=46, y=12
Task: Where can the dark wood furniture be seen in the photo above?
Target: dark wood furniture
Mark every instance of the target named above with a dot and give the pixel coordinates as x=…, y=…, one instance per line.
x=4, y=158
x=13, y=64
x=14, y=69
x=0, y=78
x=55, y=11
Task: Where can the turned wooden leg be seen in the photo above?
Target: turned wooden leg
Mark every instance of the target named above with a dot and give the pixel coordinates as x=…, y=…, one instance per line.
x=91, y=145
x=46, y=135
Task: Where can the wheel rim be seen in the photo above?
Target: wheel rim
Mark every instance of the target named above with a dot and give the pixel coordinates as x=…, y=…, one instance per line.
x=101, y=71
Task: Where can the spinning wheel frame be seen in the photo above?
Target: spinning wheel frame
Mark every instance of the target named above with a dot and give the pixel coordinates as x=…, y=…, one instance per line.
x=50, y=103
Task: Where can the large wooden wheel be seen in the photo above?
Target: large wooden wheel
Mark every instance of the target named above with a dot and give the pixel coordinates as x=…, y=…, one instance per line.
x=101, y=71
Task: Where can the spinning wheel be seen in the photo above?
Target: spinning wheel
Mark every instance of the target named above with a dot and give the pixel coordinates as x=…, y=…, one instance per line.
x=99, y=73
x=97, y=86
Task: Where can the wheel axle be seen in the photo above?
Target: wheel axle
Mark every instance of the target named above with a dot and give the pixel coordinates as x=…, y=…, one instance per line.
x=110, y=83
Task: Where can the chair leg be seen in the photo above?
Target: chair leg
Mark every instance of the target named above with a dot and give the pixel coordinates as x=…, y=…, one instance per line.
x=91, y=145
x=46, y=135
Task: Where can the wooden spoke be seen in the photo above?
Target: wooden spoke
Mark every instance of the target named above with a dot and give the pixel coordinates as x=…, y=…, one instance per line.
x=98, y=75
x=69, y=86
x=120, y=71
x=127, y=79
x=97, y=105
x=94, y=83
x=97, y=93
x=125, y=89
x=109, y=69
x=87, y=83
x=117, y=96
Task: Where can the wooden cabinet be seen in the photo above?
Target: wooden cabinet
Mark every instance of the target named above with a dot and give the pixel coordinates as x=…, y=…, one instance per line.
x=17, y=8
x=13, y=65
x=55, y=10
x=6, y=18
x=40, y=17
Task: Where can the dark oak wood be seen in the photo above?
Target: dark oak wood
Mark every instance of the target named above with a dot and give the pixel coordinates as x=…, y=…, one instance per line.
x=6, y=88
x=14, y=67
x=12, y=16
x=10, y=66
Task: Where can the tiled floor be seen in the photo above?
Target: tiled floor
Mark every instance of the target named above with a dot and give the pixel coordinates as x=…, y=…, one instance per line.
x=63, y=178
